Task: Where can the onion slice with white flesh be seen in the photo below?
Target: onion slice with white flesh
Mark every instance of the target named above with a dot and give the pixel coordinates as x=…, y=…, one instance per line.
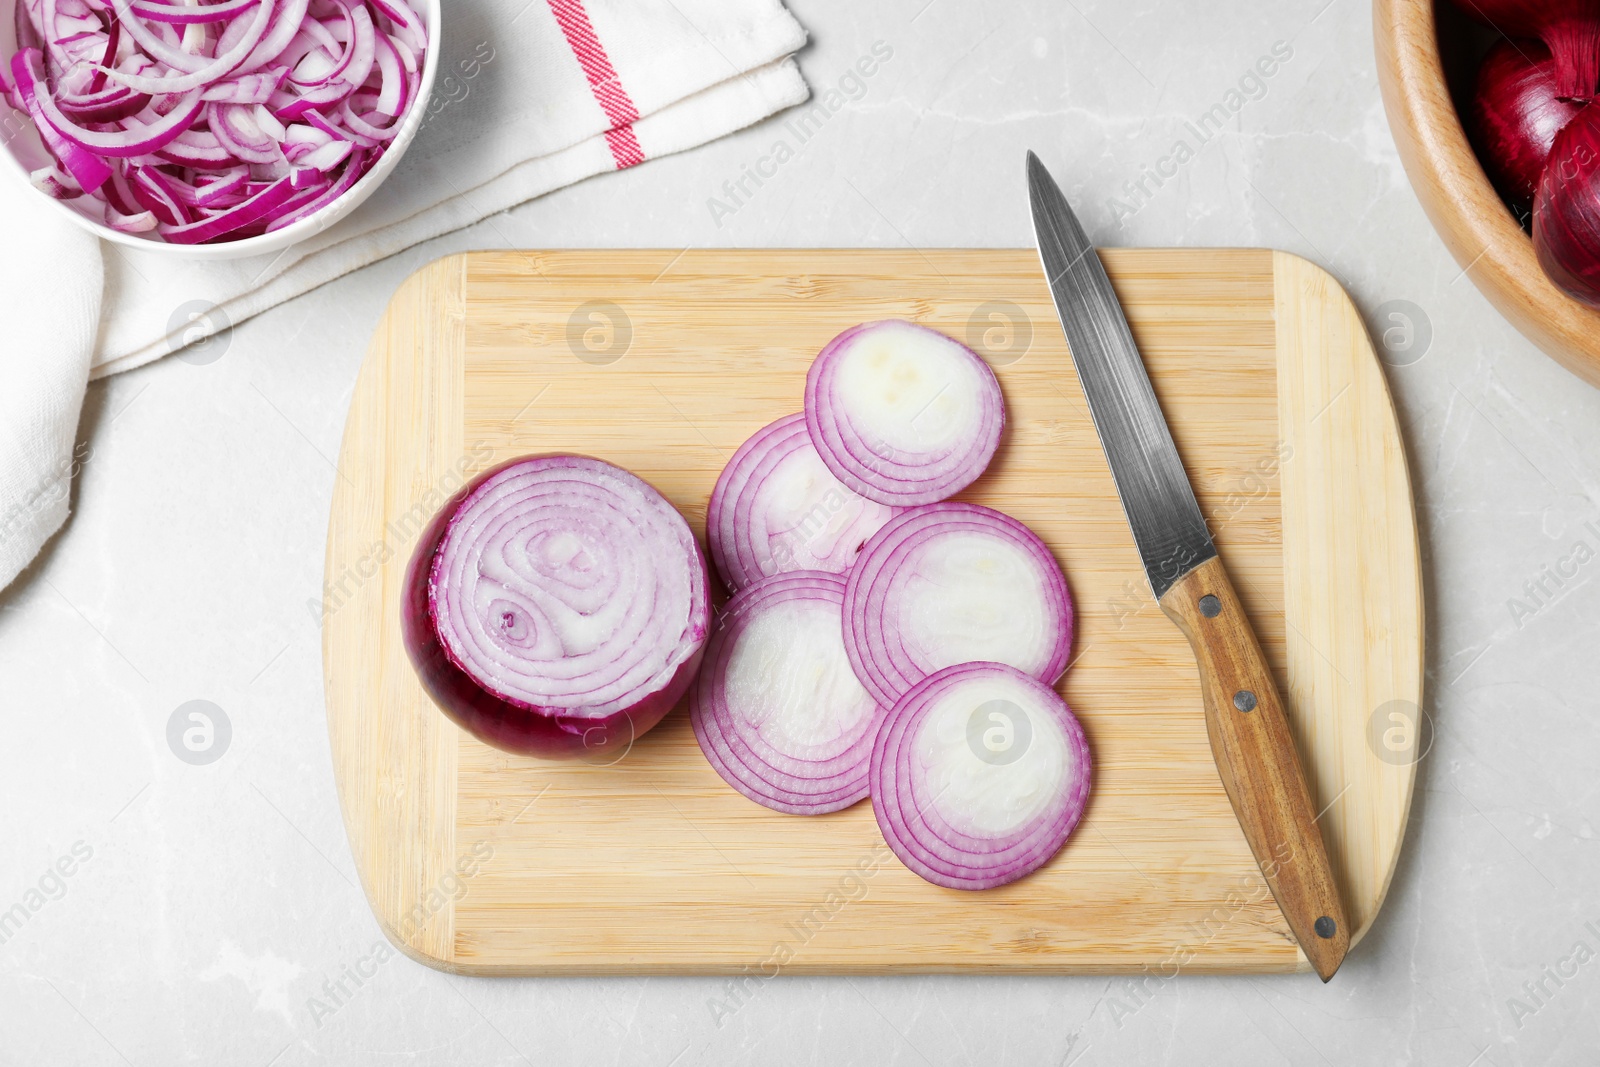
x=557, y=606
x=979, y=775
x=952, y=583
x=776, y=508
x=902, y=414
x=777, y=710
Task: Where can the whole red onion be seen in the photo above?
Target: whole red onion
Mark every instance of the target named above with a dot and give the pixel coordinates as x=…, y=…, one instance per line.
x=1515, y=116
x=1569, y=28
x=1566, y=212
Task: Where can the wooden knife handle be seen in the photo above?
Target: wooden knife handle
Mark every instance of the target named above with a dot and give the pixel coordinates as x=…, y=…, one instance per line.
x=1256, y=757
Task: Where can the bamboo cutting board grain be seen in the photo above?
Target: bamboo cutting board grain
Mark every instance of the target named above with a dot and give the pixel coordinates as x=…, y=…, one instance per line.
x=479, y=862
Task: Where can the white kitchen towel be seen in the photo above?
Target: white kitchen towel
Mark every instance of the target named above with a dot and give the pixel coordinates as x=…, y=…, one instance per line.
x=531, y=95
x=50, y=282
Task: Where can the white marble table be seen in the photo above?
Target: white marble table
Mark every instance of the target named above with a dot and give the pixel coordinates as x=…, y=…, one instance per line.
x=211, y=910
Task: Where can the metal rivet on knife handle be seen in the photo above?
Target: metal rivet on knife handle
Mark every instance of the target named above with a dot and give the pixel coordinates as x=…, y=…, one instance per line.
x=1210, y=606
x=1326, y=927
x=1244, y=700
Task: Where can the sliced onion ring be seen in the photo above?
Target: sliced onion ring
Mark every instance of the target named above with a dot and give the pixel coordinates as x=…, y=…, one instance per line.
x=86, y=168
x=903, y=414
x=185, y=14
x=950, y=583
x=777, y=710
x=113, y=39
x=776, y=507
x=245, y=213
x=557, y=606
x=198, y=70
x=979, y=775
x=142, y=139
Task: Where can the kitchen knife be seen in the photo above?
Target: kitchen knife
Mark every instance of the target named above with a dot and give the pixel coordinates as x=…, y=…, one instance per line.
x=1249, y=733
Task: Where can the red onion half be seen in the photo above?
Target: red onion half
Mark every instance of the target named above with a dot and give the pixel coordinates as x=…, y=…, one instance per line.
x=979, y=775
x=1566, y=213
x=951, y=583
x=902, y=414
x=776, y=708
x=1570, y=29
x=776, y=507
x=557, y=606
x=1515, y=117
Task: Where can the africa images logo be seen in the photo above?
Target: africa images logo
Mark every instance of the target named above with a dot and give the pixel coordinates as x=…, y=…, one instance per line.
x=51, y=885
x=1252, y=85
x=849, y=87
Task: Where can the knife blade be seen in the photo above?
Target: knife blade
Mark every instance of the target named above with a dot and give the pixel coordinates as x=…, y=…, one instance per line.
x=1250, y=737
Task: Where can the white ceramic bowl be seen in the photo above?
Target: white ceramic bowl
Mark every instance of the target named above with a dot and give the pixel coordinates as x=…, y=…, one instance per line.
x=24, y=153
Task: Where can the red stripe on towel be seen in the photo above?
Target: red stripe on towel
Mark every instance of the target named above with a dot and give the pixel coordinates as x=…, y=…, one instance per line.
x=608, y=91
x=624, y=146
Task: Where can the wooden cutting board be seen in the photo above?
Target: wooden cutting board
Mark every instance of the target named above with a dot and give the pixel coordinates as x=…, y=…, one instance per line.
x=479, y=862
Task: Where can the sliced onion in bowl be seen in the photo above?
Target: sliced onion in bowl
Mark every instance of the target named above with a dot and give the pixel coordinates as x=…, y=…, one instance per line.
x=88, y=170
x=979, y=775
x=195, y=70
x=776, y=507
x=184, y=14
x=163, y=93
x=777, y=709
x=557, y=606
x=240, y=216
x=903, y=414
x=950, y=583
x=54, y=183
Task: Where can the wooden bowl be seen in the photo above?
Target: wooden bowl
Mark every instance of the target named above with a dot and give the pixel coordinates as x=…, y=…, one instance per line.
x=1469, y=215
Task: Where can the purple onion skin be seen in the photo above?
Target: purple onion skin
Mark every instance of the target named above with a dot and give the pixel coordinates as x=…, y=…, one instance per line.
x=1515, y=117
x=523, y=729
x=1570, y=30
x=1566, y=213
